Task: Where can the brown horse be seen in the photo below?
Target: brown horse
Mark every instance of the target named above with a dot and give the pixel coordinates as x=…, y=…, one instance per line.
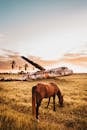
x=41, y=91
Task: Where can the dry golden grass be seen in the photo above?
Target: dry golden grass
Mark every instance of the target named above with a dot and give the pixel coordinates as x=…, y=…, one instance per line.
x=16, y=107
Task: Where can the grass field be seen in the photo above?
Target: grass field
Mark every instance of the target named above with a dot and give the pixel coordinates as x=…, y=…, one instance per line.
x=16, y=107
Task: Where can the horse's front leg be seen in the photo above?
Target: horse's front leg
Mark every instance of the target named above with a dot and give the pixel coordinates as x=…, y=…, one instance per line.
x=48, y=102
x=54, y=103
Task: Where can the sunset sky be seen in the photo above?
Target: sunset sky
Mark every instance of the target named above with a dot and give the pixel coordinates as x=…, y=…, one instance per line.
x=45, y=28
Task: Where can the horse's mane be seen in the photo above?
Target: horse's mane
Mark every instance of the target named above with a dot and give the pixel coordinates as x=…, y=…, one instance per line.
x=53, y=84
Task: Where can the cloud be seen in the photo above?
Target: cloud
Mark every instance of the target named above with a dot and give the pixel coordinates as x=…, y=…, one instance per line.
x=9, y=52
x=7, y=55
x=75, y=58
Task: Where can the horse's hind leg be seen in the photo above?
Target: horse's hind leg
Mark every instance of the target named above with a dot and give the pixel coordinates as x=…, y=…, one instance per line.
x=48, y=102
x=37, y=109
x=54, y=103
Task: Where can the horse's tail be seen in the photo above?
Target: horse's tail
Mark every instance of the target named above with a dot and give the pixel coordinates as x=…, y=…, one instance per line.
x=33, y=100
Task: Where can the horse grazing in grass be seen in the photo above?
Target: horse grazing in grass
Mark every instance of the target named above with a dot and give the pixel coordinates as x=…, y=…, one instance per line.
x=43, y=90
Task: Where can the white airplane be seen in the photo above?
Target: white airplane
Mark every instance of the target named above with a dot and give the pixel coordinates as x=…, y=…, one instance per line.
x=44, y=73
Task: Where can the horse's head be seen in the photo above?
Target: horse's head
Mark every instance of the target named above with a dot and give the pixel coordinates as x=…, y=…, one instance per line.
x=61, y=100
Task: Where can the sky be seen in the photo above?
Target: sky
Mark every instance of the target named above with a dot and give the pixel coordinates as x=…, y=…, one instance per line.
x=45, y=28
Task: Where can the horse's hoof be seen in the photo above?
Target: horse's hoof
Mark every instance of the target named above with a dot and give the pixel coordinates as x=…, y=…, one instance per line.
x=38, y=120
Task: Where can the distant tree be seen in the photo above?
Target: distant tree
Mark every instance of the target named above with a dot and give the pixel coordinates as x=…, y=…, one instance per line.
x=25, y=67
x=13, y=63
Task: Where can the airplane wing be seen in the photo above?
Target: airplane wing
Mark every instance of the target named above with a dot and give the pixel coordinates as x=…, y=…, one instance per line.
x=33, y=63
